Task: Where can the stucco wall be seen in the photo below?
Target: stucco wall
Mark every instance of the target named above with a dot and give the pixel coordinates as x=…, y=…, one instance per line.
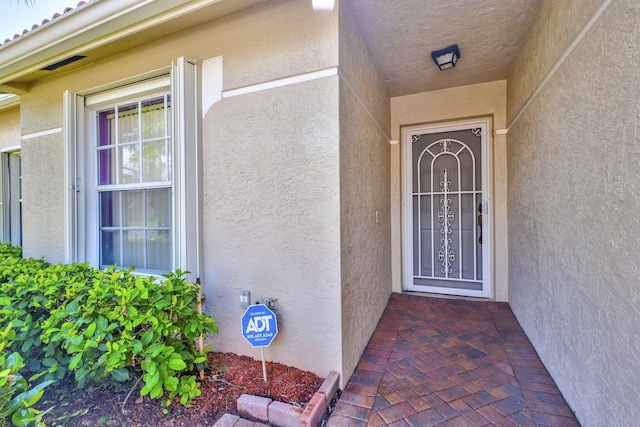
x=10, y=127
x=42, y=210
x=446, y=106
x=272, y=219
x=364, y=190
x=537, y=58
x=245, y=40
x=278, y=39
x=573, y=200
x=271, y=206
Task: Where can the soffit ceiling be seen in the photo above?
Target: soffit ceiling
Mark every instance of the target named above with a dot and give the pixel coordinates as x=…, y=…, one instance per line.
x=401, y=34
x=213, y=11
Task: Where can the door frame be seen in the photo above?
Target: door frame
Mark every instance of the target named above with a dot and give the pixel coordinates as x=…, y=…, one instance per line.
x=407, y=200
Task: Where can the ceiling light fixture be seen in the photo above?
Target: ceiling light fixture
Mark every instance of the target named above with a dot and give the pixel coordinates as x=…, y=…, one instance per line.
x=323, y=5
x=446, y=58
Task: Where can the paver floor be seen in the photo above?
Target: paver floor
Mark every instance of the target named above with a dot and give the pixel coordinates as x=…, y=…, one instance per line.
x=450, y=362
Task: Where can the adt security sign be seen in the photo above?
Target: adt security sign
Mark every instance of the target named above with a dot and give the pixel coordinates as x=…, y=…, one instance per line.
x=259, y=326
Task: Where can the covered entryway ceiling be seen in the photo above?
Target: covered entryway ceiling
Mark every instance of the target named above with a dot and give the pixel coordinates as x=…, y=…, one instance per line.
x=402, y=33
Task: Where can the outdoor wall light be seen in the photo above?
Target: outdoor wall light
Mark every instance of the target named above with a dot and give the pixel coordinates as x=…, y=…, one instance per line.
x=323, y=5
x=446, y=58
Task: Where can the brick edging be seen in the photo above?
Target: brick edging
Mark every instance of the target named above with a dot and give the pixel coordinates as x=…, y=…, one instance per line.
x=281, y=414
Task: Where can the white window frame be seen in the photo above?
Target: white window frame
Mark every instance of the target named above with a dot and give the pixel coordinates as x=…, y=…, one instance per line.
x=11, y=184
x=93, y=188
x=81, y=220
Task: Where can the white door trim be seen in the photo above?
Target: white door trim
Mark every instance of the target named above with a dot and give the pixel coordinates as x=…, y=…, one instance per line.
x=407, y=180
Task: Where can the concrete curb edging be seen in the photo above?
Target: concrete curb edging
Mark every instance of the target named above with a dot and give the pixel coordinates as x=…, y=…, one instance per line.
x=329, y=387
x=254, y=407
x=314, y=411
x=280, y=414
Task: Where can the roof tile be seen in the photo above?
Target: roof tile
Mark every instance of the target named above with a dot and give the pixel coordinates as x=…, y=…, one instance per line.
x=44, y=22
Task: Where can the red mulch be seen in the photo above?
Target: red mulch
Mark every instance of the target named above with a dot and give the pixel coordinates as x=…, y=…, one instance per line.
x=102, y=405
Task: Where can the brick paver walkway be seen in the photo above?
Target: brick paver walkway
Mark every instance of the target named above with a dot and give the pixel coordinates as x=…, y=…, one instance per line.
x=450, y=362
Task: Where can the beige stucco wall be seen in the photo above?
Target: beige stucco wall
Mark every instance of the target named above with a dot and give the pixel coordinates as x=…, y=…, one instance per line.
x=278, y=39
x=9, y=137
x=484, y=100
x=573, y=200
x=272, y=219
x=43, y=210
x=10, y=127
x=271, y=159
x=537, y=58
x=364, y=191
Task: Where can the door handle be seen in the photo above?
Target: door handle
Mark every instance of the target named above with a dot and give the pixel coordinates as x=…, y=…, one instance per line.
x=480, y=222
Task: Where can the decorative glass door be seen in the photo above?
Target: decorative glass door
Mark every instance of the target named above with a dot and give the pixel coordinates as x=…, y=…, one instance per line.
x=445, y=206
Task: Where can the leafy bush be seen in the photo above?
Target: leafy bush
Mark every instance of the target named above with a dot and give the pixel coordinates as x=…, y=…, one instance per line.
x=97, y=324
x=16, y=398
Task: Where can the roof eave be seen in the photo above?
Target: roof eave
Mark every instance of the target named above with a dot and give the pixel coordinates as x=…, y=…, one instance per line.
x=92, y=25
x=9, y=101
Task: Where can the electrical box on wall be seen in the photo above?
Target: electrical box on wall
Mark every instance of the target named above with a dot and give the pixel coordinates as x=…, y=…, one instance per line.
x=244, y=299
x=271, y=303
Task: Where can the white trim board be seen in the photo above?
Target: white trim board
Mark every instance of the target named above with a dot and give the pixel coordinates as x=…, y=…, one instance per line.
x=299, y=78
x=583, y=32
x=364, y=105
x=41, y=133
x=11, y=149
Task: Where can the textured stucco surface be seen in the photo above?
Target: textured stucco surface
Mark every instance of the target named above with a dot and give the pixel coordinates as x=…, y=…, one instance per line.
x=278, y=39
x=364, y=189
x=305, y=42
x=271, y=176
x=10, y=127
x=445, y=106
x=357, y=67
x=272, y=219
x=574, y=195
x=547, y=40
x=402, y=34
x=42, y=210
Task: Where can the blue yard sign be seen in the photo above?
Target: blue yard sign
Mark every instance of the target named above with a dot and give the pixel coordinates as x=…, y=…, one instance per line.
x=259, y=326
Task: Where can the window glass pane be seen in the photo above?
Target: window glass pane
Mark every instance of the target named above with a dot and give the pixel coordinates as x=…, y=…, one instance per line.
x=106, y=166
x=154, y=161
x=153, y=119
x=130, y=164
x=110, y=248
x=169, y=159
x=133, y=248
x=158, y=250
x=19, y=176
x=106, y=127
x=158, y=207
x=134, y=147
x=110, y=209
x=128, y=124
x=132, y=209
x=168, y=116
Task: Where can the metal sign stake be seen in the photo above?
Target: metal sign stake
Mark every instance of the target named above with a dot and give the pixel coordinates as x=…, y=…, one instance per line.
x=264, y=365
x=259, y=328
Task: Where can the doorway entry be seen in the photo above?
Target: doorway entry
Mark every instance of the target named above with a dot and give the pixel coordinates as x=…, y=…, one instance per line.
x=446, y=222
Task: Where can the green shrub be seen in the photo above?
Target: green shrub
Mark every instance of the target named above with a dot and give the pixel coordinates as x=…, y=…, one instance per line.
x=16, y=397
x=98, y=324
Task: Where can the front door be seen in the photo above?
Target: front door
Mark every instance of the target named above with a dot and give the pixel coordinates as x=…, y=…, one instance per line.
x=446, y=207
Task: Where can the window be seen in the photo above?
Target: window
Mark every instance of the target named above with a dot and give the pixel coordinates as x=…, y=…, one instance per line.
x=134, y=187
x=12, y=198
x=134, y=184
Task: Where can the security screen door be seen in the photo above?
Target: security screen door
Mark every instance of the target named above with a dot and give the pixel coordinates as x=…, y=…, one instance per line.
x=446, y=222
